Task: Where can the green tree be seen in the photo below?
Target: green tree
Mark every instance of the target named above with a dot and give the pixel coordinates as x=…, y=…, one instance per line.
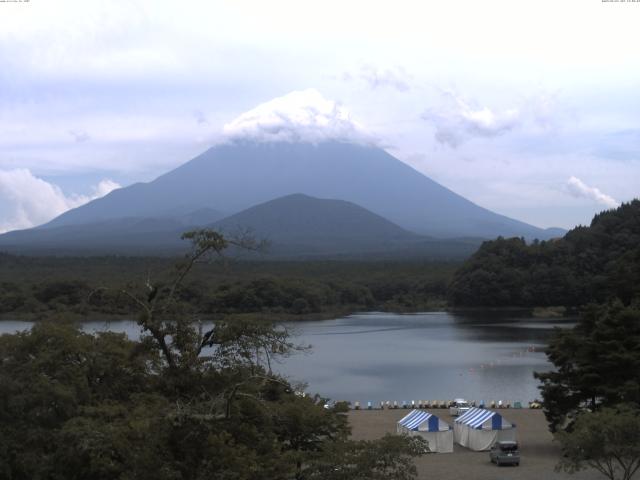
x=597, y=364
x=51, y=376
x=181, y=403
x=607, y=440
x=390, y=457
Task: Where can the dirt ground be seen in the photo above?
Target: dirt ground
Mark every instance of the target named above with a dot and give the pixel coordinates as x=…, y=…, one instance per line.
x=539, y=454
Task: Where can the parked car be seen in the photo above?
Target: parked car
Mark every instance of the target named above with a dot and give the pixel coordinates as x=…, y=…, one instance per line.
x=458, y=407
x=505, y=453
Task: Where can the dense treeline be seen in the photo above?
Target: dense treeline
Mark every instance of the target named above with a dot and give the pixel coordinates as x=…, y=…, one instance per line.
x=31, y=287
x=590, y=264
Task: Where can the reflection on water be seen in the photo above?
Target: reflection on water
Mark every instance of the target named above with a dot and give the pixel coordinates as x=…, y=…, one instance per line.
x=431, y=356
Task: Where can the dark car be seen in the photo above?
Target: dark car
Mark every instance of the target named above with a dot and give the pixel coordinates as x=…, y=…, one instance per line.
x=505, y=453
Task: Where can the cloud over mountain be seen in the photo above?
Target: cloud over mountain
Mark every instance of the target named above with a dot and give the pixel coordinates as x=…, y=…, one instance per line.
x=27, y=201
x=460, y=120
x=579, y=189
x=299, y=116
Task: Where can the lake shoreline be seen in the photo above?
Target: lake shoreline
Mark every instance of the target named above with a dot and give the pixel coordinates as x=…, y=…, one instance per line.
x=522, y=312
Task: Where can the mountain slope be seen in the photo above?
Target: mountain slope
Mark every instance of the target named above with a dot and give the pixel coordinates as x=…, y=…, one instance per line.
x=136, y=235
x=295, y=226
x=301, y=223
x=235, y=176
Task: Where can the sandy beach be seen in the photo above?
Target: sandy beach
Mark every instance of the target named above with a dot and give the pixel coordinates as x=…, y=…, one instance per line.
x=539, y=454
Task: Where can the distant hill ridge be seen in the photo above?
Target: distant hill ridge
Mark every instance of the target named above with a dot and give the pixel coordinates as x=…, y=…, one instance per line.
x=294, y=226
x=301, y=219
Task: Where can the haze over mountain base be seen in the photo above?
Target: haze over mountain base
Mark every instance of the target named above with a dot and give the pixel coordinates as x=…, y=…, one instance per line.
x=365, y=201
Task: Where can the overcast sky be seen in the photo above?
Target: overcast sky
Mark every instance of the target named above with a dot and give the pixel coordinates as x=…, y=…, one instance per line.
x=528, y=108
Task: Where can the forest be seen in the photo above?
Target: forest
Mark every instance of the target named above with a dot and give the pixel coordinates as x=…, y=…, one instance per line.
x=589, y=264
x=91, y=287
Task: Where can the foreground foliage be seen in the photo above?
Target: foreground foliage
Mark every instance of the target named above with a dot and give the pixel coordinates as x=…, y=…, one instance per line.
x=181, y=403
x=592, y=398
x=607, y=440
x=390, y=457
x=597, y=364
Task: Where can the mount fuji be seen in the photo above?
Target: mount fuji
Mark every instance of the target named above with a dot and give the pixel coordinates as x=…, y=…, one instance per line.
x=296, y=144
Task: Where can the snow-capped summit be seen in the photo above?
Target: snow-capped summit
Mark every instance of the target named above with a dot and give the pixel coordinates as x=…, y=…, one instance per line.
x=299, y=116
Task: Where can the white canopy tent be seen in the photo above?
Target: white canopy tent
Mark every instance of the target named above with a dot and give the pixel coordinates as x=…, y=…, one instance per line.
x=478, y=429
x=426, y=425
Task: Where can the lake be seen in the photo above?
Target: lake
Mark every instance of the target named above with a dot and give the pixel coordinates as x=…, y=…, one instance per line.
x=431, y=356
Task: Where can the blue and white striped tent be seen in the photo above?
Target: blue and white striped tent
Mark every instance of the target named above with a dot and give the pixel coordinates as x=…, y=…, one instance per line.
x=436, y=432
x=478, y=429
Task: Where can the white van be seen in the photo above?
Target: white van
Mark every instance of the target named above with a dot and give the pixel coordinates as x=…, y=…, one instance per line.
x=458, y=407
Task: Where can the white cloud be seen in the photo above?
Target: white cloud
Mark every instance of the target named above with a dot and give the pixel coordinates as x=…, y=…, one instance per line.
x=103, y=188
x=27, y=201
x=579, y=189
x=396, y=78
x=460, y=120
x=303, y=115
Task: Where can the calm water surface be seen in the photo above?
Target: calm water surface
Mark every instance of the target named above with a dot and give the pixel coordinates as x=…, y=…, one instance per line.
x=381, y=356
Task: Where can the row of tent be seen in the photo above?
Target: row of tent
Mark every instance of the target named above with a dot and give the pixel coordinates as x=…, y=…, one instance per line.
x=477, y=429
